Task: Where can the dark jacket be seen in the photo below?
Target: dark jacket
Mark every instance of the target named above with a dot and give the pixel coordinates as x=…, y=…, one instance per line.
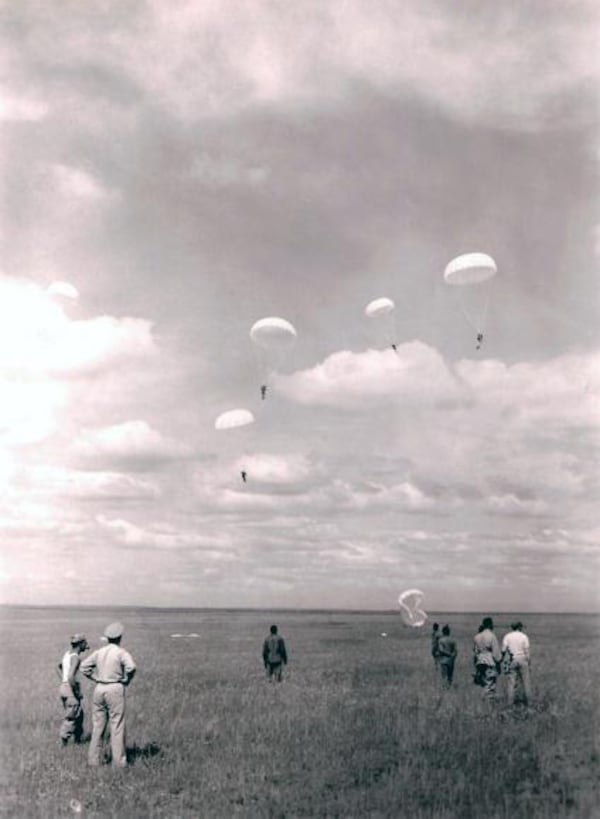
x=274, y=650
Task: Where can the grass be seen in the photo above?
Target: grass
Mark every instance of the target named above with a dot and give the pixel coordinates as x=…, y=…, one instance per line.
x=360, y=727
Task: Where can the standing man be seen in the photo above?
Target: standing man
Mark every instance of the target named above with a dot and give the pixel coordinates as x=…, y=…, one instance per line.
x=487, y=657
x=515, y=651
x=274, y=655
x=435, y=638
x=112, y=669
x=447, y=656
x=70, y=690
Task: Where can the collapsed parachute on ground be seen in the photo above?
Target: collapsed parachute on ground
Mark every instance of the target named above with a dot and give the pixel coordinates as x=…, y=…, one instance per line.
x=471, y=274
x=411, y=612
x=233, y=419
x=272, y=337
x=381, y=311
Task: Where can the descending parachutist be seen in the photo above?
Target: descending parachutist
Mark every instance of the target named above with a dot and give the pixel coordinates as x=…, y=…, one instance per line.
x=244, y=475
x=394, y=348
x=479, y=340
x=263, y=391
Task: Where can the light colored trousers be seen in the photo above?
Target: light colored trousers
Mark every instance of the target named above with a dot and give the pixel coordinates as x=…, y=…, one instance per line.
x=519, y=670
x=108, y=708
x=72, y=724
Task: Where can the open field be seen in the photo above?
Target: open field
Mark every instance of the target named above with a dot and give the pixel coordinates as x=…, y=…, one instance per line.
x=360, y=727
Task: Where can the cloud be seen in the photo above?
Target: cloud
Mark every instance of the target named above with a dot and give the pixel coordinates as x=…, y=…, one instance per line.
x=131, y=443
x=415, y=373
x=76, y=183
x=82, y=485
x=15, y=107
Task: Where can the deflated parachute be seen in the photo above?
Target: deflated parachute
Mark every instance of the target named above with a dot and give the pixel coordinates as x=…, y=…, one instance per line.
x=411, y=612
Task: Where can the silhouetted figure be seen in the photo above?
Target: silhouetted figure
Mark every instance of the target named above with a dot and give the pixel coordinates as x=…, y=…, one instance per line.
x=274, y=655
x=394, y=348
x=479, y=341
x=244, y=475
x=263, y=391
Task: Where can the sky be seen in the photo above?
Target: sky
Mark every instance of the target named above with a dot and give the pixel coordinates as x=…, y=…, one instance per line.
x=171, y=173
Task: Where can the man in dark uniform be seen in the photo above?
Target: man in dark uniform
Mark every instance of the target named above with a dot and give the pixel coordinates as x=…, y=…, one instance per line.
x=274, y=655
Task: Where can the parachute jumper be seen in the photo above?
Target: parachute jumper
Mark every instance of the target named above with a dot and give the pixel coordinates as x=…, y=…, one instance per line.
x=235, y=419
x=272, y=338
x=382, y=311
x=471, y=273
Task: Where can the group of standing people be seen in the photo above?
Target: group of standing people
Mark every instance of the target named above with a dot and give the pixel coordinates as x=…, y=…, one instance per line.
x=490, y=659
x=111, y=668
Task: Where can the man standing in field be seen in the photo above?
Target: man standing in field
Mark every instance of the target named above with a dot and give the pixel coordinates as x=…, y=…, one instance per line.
x=70, y=690
x=515, y=650
x=435, y=638
x=487, y=657
x=112, y=669
x=274, y=655
x=447, y=652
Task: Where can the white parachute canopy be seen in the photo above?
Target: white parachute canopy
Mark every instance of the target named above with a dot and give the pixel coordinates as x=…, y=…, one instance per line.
x=63, y=289
x=272, y=337
x=383, y=328
x=379, y=307
x=232, y=419
x=471, y=274
x=411, y=612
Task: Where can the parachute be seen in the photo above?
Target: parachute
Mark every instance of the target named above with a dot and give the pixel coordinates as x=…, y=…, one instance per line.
x=382, y=312
x=233, y=422
x=410, y=608
x=62, y=289
x=472, y=274
x=234, y=418
x=272, y=337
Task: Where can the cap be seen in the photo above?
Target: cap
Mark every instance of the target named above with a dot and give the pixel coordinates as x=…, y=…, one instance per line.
x=78, y=639
x=113, y=631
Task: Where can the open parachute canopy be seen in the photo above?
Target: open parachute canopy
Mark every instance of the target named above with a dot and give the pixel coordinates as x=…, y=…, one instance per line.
x=234, y=418
x=470, y=268
x=273, y=332
x=379, y=307
x=64, y=289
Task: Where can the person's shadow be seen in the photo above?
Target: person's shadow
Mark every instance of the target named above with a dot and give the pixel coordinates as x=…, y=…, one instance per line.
x=143, y=752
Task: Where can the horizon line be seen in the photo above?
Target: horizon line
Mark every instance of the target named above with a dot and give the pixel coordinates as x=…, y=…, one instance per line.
x=317, y=609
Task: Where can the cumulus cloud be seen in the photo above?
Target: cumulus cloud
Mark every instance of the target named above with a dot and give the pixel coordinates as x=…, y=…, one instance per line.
x=82, y=485
x=77, y=183
x=15, y=107
x=133, y=443
x=38, y=337
x=416, y=372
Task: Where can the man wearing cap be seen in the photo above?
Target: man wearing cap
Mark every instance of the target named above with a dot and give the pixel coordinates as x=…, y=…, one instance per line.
x=70, y=690
x=515, y=651
x=112, y=669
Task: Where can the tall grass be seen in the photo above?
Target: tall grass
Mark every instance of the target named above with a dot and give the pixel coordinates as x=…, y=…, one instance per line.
x=360, y=726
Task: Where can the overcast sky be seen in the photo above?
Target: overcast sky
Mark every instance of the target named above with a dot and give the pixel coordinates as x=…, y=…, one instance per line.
x=190, y=168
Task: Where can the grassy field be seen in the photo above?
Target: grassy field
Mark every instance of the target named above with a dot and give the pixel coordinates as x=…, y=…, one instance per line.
x=360, y=727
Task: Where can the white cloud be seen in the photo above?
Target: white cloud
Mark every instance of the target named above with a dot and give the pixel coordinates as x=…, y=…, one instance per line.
x=134, y=443
x=38, y=338
x=20, y=107
x=77, y=183
x=72, y=483
x=415, y=373
x=284, y=54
